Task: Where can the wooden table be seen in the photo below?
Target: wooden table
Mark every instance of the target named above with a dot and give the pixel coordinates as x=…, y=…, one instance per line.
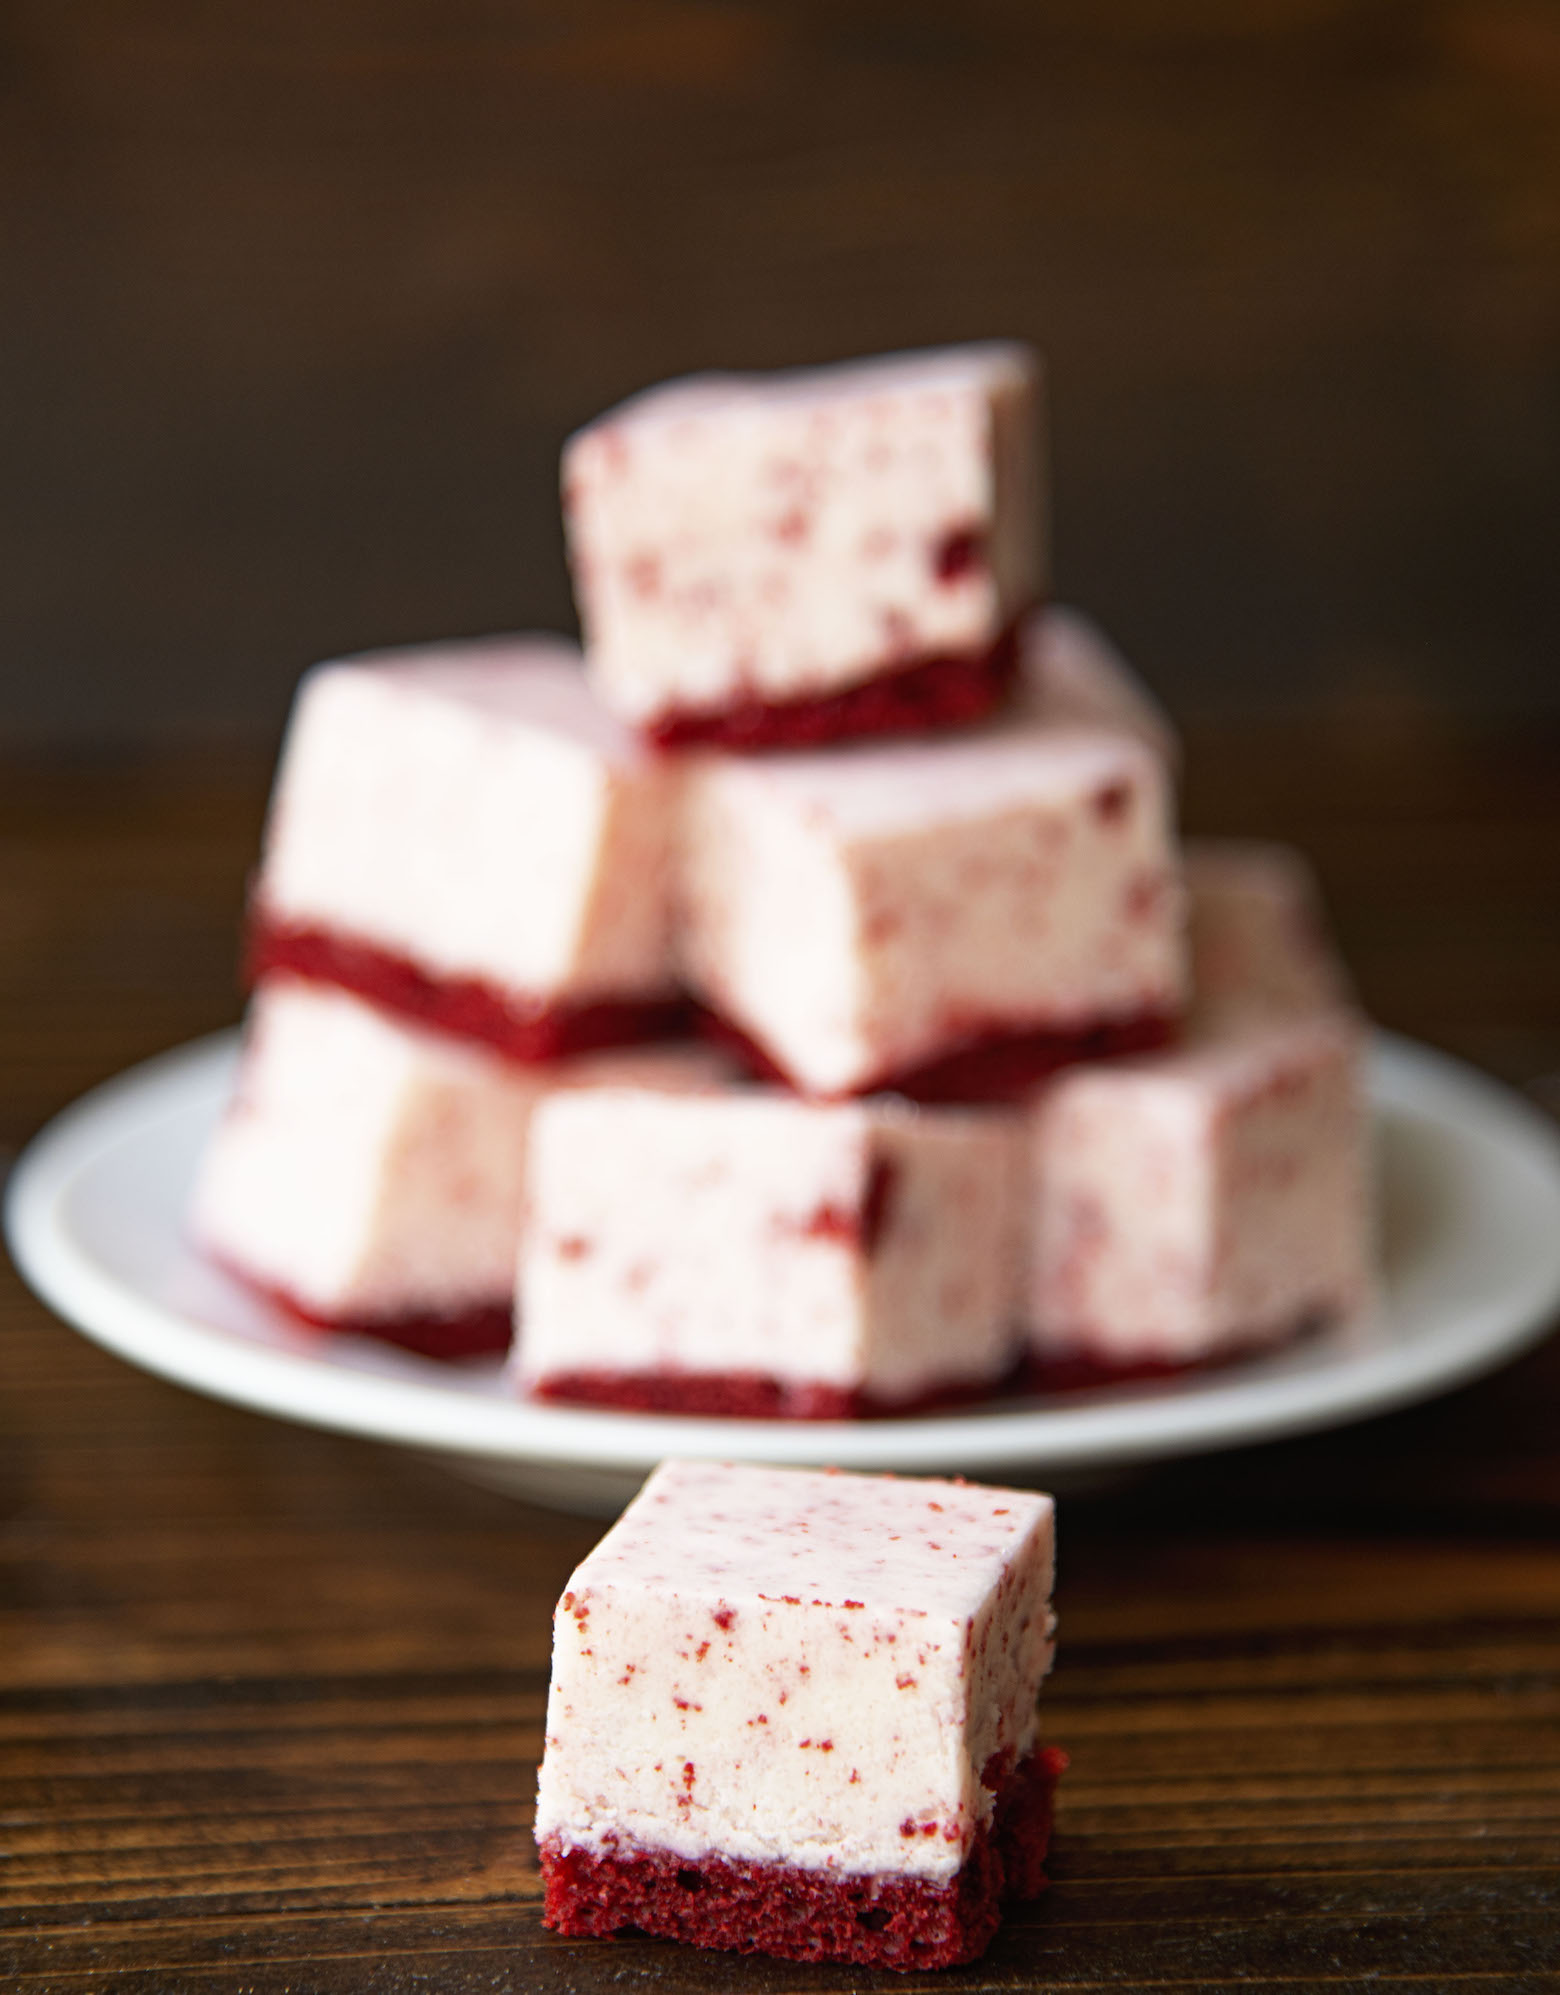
x=270, y=1700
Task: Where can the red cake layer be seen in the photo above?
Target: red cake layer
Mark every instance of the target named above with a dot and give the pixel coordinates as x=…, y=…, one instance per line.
x=952, y=690
x=471, y=1007
x=999, y=1066
x=752, y=1395
x=757, y=1396
x=878, y=1920
x=1074, y=1372
x=481, y=1332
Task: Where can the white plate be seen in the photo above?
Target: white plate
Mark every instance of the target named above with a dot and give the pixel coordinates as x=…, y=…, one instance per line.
x=1471, y=1262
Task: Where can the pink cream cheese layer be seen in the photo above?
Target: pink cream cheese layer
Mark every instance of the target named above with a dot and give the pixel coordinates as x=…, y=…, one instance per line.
x=368, y=1171
x=862, y=1249
x=761, y=541
x=811, y=1670
x=1200, y=1202
x=861, y=912
x=463, y=819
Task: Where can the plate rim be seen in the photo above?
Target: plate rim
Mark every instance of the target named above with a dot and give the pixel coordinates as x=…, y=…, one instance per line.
x=1236, y=1407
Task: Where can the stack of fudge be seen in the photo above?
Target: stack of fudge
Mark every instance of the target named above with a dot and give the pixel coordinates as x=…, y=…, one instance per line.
x=800, y=1004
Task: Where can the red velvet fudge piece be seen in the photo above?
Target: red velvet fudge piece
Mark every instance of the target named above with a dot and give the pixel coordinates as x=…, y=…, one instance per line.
x=795, y=1712
x=863, y=913
x=745, y=1252
x=768, y=561
x=1259, y=935
x=1071, y=675
x=460, y=835
x=1212, y=1200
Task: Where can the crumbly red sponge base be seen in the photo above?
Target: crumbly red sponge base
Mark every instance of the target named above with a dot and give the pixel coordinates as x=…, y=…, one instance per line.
x=878, y=1920
x=482, y=1331
x=751, y=1395
x=991, y=1067
x=951, y=690
x=467, y=1006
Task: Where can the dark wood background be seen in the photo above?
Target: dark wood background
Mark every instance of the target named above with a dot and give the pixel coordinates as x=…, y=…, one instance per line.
x=300, y=299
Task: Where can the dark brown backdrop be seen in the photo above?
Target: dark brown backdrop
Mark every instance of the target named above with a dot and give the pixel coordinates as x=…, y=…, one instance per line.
x=299, y=300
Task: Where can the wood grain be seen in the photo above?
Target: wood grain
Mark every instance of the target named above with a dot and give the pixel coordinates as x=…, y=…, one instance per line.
x=270, y=1700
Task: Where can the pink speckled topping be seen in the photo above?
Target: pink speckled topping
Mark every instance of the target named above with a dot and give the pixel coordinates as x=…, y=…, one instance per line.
x=530, y=680
x=831, y=1539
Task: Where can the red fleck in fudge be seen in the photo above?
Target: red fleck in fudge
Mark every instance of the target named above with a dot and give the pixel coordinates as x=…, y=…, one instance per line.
x=1259, y=939
x=1071, y=675
x=1005, y=900
x=369, y=1174
x=781, y=560
x=460, y=835
x=795, y=1713
x=1197, y=1203
x=748, y=1253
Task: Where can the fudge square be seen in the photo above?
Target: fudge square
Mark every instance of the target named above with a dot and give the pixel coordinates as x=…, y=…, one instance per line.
x=459, y=834
x=786, y=559
x=369, y=1173
x=794, y=1712
x=1205, y=1201
x=1070, y=674
x=749, y=1253
x=1258, y=933
x=932, y=916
